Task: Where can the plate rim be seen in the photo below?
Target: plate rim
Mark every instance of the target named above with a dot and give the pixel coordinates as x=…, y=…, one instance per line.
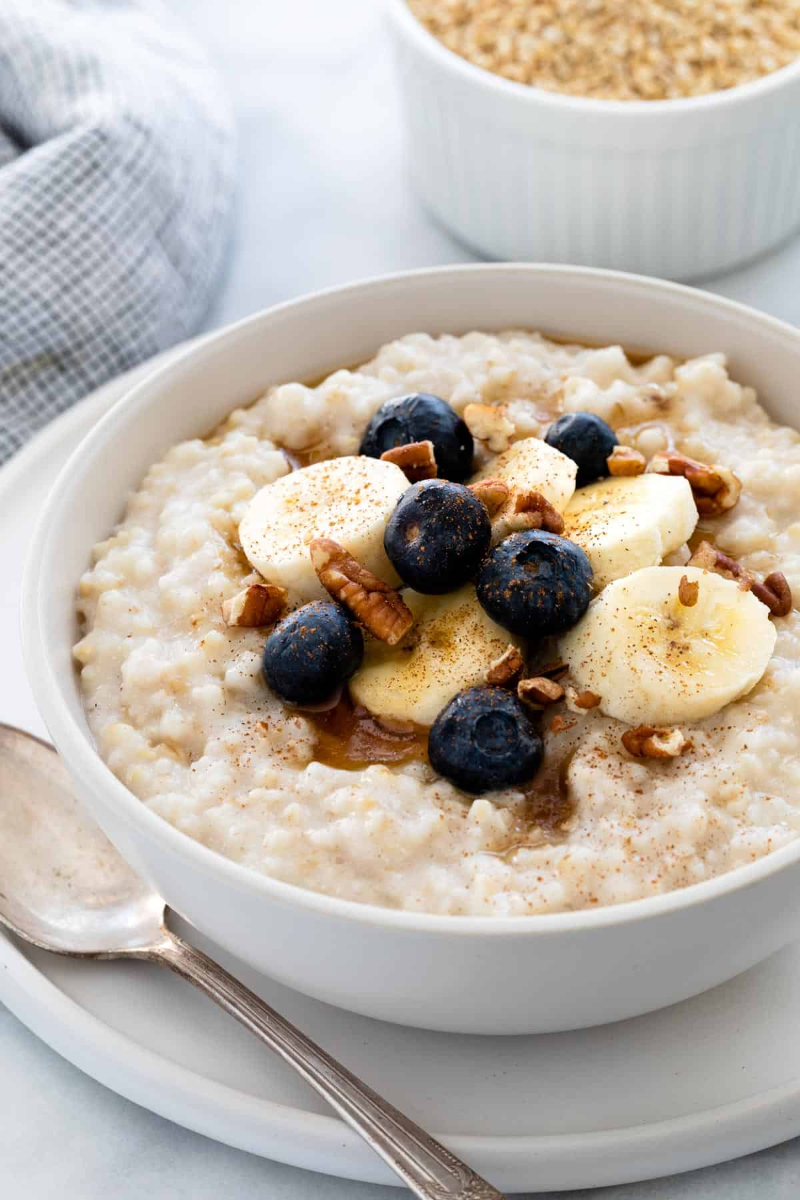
x=314, y=1141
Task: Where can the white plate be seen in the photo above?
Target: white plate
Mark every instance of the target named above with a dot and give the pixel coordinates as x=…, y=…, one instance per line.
x=707, y=1080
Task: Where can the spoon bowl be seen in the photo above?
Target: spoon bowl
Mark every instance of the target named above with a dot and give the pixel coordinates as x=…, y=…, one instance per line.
x=63, y=886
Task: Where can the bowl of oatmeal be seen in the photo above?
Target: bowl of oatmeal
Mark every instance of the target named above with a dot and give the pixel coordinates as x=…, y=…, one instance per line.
x=384, y=767
x=638, y=136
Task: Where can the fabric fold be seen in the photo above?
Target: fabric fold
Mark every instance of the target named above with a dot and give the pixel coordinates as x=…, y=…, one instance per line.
x=116, y=182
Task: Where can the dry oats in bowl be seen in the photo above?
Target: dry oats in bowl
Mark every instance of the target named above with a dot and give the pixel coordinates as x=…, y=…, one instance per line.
x=657, y=138
x=329, y=848
x=620, y=49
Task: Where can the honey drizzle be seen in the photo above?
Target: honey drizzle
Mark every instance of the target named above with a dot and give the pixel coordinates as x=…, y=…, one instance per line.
x=349, y=738
x=546, y=813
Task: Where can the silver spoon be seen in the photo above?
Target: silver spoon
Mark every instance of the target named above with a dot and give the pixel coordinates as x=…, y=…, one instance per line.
x=63, y=887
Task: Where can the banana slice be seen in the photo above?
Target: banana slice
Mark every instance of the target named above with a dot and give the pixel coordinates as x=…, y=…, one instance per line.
x=348, y=499
x=532, y=465
x=625, y=524
x=454, y=642
x=654, y=661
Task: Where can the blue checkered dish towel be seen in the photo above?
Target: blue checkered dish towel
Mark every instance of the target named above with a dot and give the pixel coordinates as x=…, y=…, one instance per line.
x=116, y=169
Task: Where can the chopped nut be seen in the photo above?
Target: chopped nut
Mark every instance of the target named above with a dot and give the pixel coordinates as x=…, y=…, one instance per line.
x=647, y=742
x=559, y=725
x=379, y=607
x=728, y=495
x=716, y=489
x=539, y=690
x=701, y=476
x=775, y=593
x=259, y=604
x=416, y=459
x=492, y=493
x=709, y=558
x=505, y=668
x=704, y=556
x=530, y=510
x=580, y=702
x=688, y=592
x=624, y=460
x=489, y=423
x=525, y=510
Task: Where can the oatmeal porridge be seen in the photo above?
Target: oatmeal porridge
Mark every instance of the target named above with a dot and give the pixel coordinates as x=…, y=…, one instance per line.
x=535, y=648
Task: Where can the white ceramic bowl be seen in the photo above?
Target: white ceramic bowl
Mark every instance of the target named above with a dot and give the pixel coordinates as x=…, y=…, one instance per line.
x=472, y=974
x=678, y=188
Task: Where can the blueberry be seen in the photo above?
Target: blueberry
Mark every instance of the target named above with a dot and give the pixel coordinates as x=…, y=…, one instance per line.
x=420, y=418
x=437, y=536
x=587, y=440
x=535, y=583
x=485, y=739
x=311, y=652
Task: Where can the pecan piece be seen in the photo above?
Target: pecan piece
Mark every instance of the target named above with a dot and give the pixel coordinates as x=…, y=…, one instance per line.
x=379, y=608
x=531, y=510
x=624, y=460
x=645, y=741
x=775, y=593
x=716, y=489
x=709, y=558
x=489, y=423
x=580, y=702
x=415, y=459
x=492, y=493
x=701, y=476
x=726, y=496
x=704, y=556
x=258, y=604
x=688, y=591
x=539, y=690
x=506, y=668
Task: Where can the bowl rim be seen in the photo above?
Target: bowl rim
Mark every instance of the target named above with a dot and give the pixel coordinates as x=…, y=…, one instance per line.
x=428, y=43
x=81, y=756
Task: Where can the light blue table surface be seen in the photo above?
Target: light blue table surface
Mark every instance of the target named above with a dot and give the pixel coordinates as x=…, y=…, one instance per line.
x=323, y=199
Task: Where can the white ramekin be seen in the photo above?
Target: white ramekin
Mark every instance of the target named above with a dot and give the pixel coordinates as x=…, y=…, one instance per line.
x=470, y=974
x=678, y=188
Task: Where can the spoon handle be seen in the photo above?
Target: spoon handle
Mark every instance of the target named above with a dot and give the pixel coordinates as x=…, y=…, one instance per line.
x=428, y=1169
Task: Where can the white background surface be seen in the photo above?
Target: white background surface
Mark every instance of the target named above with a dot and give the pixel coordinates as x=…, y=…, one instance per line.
x=323, y=199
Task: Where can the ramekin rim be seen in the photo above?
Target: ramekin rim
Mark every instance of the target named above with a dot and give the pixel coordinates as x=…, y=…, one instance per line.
x=429, y=44
x=80, y=753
